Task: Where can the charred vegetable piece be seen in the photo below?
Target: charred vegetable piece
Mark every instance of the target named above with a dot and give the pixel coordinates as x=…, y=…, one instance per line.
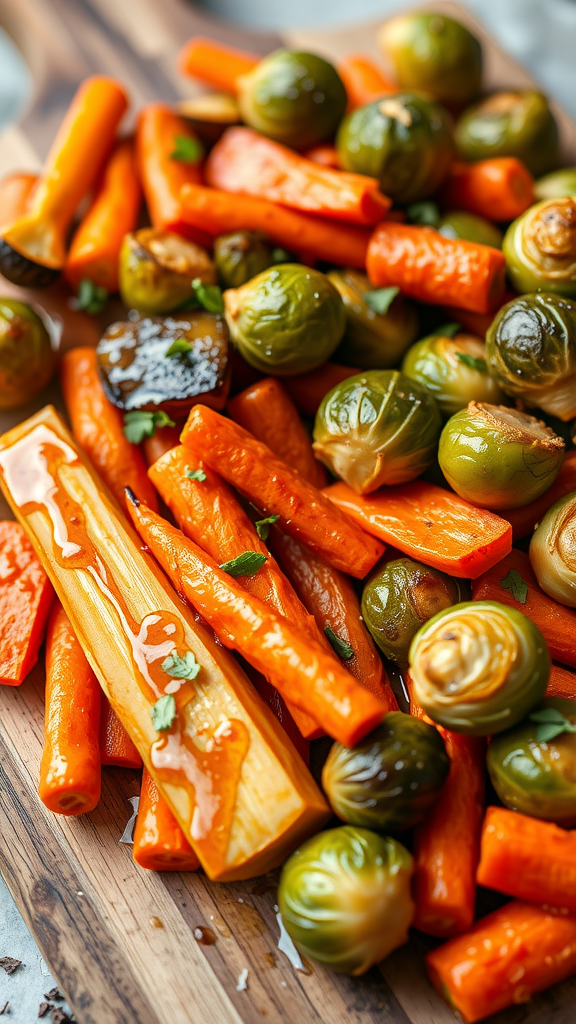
x=380, y=324
x=157, y=269
x=470, y=227
x=27, y=355
x=540, y=248
x=210, y=114
x=556, y=184
x=553, y=551
x=454, y=370
x=240, y=256
x=510, y=123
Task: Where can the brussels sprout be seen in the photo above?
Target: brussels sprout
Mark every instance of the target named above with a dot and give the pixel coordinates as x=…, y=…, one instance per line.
x=540, y=248
x=345, y=898
x=556, y=184
x=460, y=224
x=454, y=370
x=240, y=256
x=479, y=667
x=376, y=428
x=533, y=766
x=531, y=352
x=399, y=597
x=373, y=340
x=553, y=551
x=391, y=779
x=210, y=114
x=434, y=54
x=157, y=269
x=27, y=357
x=295, y=98
x=287, y=320
x=404, y=140
x=510, y=124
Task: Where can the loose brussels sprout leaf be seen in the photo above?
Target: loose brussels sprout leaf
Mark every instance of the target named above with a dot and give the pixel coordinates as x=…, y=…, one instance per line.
x=345, y=898
x=425, y=213
x=381, y=299
x=512, y=123
x=453, y=370
x=380, y=323
x=27, y=355
x=187, y=149
x=556, y=184
x=553, y=551
x=551, y=723
x=157, y=268
x=540, y=248
x=240, y=256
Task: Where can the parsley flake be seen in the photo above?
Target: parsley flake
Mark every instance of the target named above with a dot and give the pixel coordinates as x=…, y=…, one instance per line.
x=187, y=150
x=181, y=668
x=163, y=712
x=424, y=213
x=139, y=424
x=381, y=299
x=196, y=474
x=551, y=723
x=178, y=346
x=448, y=330
x=474, y=362
x=245, y=564
x=263, y=526
x=340, y=647
x=90, y=297
x=513, y=582
x=208, y=295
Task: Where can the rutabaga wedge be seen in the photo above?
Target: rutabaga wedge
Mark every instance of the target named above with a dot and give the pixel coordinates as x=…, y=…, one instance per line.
x=230, y=775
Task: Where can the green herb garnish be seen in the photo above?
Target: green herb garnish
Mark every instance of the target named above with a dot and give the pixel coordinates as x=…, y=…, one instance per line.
x=513, y=582
x=196, y=474
x=381, y=299
x=551, y=723
x=178, y=346
x=245, y=564
x=90, y=297
x=187, y=150
x=340, y=647
x=424, y=213
x=181, y=668
x=139, y=424
x=448, y=330
x=209, y=296
x=164, y=712
x=263, y=526
x=474, y=362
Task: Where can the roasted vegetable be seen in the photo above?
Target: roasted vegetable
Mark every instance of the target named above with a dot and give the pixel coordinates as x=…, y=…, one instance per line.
x=391, y=779
x=404, y=140
x=470, y=227
x=377, y=428
x=210, y=114
x=27, y=354
x=157, y=269
x=540, y=248
x=479, y=667
x=345, y=898
x=556, y=184
x=553, y=551
x=240, y=256
x=454, y=370
x=289, y=319
x=379, y=325
x=512, y=123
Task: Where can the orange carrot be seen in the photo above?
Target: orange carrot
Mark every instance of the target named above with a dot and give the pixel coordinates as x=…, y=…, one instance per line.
x=70, y=767
x=97, y=426
x=308, y=389
x=25, y=599
x=116, y=747
x=476, y=323
x=159, y=842
x=504, y=959
x=524, y=519
x=431, y=268
x=325, y=155
x=561, y=683
x=209, y=210
x=15, y=191
x=556, y=622
x=303, y=672
x=276, y=489
x=215, y=64
x=499, y=189
x=162, y=440
x=430, y=524
x=363, y=80
x=95, y=248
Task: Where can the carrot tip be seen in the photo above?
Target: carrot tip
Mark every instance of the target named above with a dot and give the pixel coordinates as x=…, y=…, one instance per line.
x=132, y=497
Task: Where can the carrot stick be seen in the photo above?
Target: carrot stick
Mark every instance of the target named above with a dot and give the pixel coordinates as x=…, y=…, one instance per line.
x=212, y=211
x=276, y=489
x=524, y=519
x=504, y=959
x=431, y=268
x=15, y=191
x=561, y=683
x=25, y=599
x=97, y=426
x=70, y=767
x=159, y=842
x=499, y=189
x=95, y=248
x=325, y=155
x=303, y=672
x=430, y=524
x=215, y=64
x=308, y=389
x=556, y=622
x=363, y=80
x=246, y=163
x=116, y=747
x=162, y=440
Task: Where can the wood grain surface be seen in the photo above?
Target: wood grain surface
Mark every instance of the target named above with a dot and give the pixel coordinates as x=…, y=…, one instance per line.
x=120, y=940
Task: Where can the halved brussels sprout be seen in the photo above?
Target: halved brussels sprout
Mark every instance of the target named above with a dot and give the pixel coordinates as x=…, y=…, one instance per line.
x=240, y=256
x=479, y=667
x=434, y=54
x=460, y=224
x=345, y=898
x=27, y=356
x=553, y=551
x=404, y=140
x=540, y=248
x=531, y=352
x=511, y=123
x=377, y=428
x=157, y=268
x=296, y=98
x=391, y=779
x=287, y=320
x=454, y=370
x=556, y=184
x=399, y=597
x=373, y=340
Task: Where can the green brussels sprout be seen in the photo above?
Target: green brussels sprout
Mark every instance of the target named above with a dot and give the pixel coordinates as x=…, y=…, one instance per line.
x=373, y=340
x=240, y=256
x=531, y=352
x=287, y=320
x=157, y=268
x=533, y=765
x=553, y=551
x=404, y=140
x=293, y=97
x=399, y=597
x=27, y=356
x=345, y=898
x=556, y=184
x=435, y=54
x=391, y=779
x=540, y=248
x=479, y=667
x=454, y=370
x=470, y=227
x=376, y=428
x=512, y=123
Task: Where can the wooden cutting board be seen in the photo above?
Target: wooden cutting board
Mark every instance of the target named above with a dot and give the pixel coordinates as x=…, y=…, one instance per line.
x=121, y=941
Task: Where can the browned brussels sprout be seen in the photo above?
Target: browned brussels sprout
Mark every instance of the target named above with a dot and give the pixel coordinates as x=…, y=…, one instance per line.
x=27, y=356
x=157, y=269
x=540, y=248
x=380, y=323
x=512, y=123
x=240, y=256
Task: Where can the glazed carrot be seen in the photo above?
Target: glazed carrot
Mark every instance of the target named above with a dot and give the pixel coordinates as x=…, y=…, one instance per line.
x=524, y=519
x=303, y=672
x=499, y=189
x=246, y=163
x=266, y=411
x=561, y=683
x=363, y=80
x=96, y=245
x=25, y=598
x=431, y=268
x=556, y=622
x=159, y=842
x=215, y=64
x=212, y=211
x=504, y=959
x=116, y=747
x=325, y=155
x=70, y=767
x=308, y=389
x=430, y=524
x=97, y=426
x=277, y=489
x=162, y=440
x=15, y=191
